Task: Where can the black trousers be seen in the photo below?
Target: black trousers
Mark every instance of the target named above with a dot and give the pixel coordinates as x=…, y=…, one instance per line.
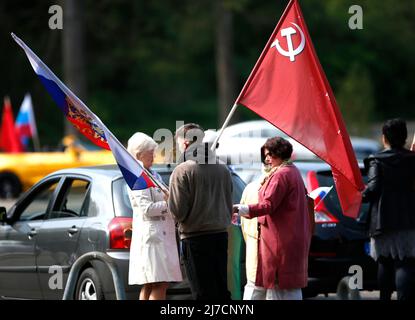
x=205, y=259
x=396, y=274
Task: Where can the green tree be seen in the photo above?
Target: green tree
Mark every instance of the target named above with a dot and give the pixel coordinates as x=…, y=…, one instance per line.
x=356, y=100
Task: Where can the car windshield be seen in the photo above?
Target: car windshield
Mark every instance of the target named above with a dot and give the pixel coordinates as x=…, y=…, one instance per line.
x=122, y=203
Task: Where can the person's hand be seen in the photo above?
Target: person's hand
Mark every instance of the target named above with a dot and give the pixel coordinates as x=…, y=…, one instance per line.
x=240, y=209
x=235, y=208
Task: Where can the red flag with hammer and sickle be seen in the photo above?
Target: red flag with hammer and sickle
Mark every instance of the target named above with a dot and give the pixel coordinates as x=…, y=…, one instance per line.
x=288, y=88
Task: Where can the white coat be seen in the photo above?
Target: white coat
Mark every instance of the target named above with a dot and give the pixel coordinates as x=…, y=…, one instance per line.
x=153, y=253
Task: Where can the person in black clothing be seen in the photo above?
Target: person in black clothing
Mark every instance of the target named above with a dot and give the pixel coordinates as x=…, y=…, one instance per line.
x=391, y=193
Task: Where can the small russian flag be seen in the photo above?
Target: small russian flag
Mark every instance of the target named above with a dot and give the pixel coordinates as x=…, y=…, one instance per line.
x=26, y=124
x=319, y=194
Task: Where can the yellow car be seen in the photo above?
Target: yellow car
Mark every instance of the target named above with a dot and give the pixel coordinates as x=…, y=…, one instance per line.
x=19, y=171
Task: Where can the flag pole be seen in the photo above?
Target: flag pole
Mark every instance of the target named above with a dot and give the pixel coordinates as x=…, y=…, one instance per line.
x=158, y=183
x=33, y=126
x=225, y=124
x=36, y=143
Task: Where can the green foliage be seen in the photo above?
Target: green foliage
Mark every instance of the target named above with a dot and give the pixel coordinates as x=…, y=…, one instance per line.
x=356, y=100
x=150, y=63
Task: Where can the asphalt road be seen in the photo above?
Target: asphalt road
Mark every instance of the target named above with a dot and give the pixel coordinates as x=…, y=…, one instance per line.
x=364, y=295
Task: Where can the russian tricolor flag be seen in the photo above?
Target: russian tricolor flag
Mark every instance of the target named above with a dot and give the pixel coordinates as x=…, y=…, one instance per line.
x=88, y=123
x=319, y=194
x=25, y=123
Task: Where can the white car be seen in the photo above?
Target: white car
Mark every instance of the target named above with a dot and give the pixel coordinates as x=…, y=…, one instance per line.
x=241, y=143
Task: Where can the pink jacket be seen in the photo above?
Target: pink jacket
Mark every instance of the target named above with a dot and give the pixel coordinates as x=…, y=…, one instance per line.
x=285, y=230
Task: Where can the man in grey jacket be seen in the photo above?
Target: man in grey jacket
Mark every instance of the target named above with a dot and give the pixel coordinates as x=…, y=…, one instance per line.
x=201, y=202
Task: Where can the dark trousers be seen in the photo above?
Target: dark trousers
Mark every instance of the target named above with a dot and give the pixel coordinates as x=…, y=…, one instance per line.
x=396, y=274
x=205, y=260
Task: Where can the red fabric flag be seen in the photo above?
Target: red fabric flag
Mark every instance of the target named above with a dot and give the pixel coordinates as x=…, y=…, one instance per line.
x=9, y=140
x=288, y=88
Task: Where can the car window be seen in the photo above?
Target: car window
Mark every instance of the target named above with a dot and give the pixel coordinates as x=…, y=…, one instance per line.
x=72, y=199
x=272, y=132
x=362, y=153
x=122, y=205
x=36, y=206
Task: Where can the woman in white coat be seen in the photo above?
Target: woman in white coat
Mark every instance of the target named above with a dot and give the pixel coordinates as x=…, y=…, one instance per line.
x=154, y=259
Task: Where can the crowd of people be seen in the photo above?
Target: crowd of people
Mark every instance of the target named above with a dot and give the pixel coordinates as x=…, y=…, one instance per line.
x=274, y=217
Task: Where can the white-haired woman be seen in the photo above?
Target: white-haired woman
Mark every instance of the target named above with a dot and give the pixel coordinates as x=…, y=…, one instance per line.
x=154, y=259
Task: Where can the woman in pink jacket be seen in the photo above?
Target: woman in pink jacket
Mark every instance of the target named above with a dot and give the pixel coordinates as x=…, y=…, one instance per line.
x=284, y=225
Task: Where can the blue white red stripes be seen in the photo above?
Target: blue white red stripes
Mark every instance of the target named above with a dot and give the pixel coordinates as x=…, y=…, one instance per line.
x=25, y=122
x=87, y=122
x=319, y=194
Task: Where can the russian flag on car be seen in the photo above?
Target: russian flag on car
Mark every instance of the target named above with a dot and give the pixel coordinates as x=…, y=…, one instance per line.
x=319, y=194
x=86, y=122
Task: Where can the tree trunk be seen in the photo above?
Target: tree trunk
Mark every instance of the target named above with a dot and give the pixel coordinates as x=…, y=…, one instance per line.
x=225, y=73
x=73, y=52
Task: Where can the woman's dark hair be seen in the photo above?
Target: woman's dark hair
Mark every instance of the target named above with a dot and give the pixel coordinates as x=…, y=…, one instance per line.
x=277, y=147
x=395, y=132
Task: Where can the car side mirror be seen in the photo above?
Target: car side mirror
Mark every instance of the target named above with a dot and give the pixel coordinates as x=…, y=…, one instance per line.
x=3, y=215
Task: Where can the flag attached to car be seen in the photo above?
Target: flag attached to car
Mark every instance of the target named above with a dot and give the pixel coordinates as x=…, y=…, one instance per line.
x=288, y=88
x=87, y=122
x=319, y=194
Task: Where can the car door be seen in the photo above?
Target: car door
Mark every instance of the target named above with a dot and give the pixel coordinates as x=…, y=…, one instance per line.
x=57, y=239
x=18, y=273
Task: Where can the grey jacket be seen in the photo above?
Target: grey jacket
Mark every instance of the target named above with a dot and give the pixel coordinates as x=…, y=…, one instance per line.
x=200, y=198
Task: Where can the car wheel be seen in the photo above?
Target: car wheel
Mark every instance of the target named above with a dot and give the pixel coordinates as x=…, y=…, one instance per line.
x=10, y=186
x=344, y=292
x=89, y=286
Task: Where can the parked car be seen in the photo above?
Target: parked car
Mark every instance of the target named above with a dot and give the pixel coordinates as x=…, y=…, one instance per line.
x=20, y=171
x=364, y=147
x=67, y=214
x=240, y=143
x=339, y=242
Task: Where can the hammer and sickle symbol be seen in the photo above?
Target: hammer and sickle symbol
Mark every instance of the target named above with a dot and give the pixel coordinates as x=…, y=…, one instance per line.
x=288, y=32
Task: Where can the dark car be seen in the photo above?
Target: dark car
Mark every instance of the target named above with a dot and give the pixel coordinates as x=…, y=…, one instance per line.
x=339, y=242
x=67, y=214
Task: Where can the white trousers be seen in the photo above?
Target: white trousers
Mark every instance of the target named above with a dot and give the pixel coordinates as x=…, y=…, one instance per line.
x=253, y=292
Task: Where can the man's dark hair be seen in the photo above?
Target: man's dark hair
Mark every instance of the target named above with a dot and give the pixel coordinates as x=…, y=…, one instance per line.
x=277, y=147
x=184, y=129
x=395, y=132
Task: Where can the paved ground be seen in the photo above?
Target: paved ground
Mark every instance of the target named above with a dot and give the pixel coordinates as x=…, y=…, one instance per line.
x=364, y=295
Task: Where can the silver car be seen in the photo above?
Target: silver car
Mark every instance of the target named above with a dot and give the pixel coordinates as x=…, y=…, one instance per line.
x=67, y=214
